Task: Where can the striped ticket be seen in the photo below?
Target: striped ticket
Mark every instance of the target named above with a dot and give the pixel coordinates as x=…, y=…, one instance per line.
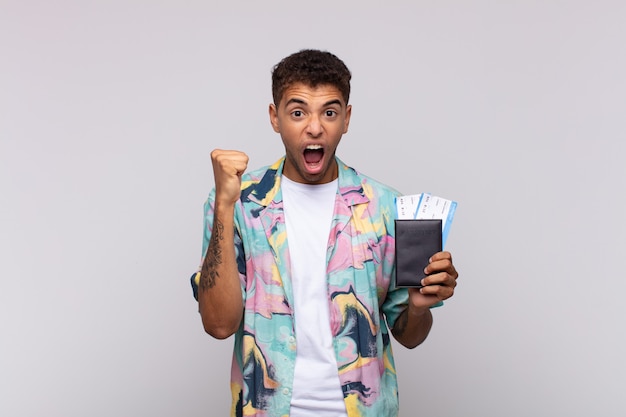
x=427, y=206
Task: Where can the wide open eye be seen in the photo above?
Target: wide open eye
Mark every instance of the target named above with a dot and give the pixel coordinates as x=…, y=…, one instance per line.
x=297, y=113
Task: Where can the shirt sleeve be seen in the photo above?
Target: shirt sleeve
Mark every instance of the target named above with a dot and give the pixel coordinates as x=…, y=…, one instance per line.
x=395, y=303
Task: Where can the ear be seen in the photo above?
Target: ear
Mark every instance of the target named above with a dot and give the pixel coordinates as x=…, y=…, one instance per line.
x=274, y=118
x=346, y=120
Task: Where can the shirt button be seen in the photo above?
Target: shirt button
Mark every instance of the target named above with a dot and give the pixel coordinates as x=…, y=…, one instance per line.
x=292, y=339
x=286, y=391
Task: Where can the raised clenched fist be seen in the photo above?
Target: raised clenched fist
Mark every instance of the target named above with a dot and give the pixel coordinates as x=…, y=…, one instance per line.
x=228, y=166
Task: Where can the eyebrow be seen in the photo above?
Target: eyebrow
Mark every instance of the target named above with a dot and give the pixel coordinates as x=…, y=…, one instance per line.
x=299, y=101
x=336, y=101
x=295, y=100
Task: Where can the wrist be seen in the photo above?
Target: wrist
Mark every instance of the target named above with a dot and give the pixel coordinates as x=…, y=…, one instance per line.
x=224, y=206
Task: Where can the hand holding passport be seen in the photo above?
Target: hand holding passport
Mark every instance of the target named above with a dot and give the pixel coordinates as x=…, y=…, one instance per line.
x=422, y=227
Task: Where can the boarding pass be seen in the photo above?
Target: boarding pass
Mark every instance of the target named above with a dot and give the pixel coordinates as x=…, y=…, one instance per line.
x=427, y=206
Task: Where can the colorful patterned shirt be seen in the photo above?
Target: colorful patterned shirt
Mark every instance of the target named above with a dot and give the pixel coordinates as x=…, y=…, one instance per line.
x=361, y=295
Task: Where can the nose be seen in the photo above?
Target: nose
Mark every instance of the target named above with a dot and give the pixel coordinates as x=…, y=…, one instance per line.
x=314, y=127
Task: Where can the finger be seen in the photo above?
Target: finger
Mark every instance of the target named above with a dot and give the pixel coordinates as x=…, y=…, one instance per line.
x=229, y=156
x=235, y=167
x=230, y=162
x=439, y=262
x=442, y=292
x=225, y=155
x=441, y=278
x=441, y=266
x=441, y=256
x=227, y=152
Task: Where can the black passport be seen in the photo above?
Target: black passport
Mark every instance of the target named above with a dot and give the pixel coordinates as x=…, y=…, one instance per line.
x=416, y=241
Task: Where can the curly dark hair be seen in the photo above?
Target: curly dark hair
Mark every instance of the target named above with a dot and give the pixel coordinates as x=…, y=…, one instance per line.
x=310, y=67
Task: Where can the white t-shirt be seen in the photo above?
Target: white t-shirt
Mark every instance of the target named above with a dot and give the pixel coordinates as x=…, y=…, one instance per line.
x=308, y=215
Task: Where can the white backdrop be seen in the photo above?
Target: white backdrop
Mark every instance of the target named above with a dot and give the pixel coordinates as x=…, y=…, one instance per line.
x=108, y=113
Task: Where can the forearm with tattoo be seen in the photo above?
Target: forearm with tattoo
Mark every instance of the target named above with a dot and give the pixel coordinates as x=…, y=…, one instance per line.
x=213, y=257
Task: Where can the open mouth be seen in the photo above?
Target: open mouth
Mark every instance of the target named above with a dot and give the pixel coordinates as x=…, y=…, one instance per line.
x=313, y=155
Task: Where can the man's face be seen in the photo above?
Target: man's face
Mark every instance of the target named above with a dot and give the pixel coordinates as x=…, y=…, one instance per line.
x=311, y=122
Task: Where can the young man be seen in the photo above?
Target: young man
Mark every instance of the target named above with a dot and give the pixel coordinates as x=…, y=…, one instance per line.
x=299, y=263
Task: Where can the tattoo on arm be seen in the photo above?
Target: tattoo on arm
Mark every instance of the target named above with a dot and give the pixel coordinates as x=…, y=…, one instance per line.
x=213, y=257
